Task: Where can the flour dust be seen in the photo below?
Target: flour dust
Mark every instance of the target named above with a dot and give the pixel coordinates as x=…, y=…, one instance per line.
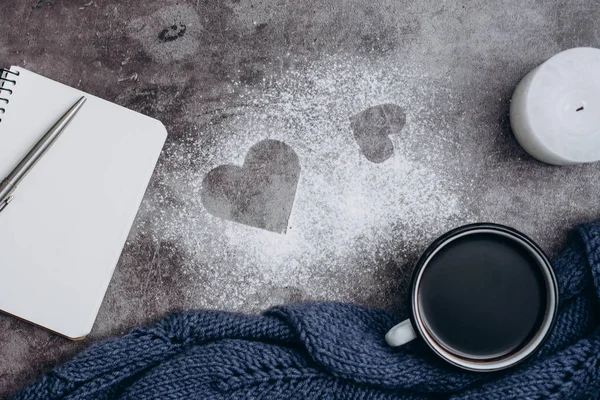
x=349, y=214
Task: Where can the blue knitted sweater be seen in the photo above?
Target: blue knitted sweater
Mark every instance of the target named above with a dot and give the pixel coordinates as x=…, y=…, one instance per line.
x=333, y=351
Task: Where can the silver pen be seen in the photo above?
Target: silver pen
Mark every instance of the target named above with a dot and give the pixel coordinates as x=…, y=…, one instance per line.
x=10, y=183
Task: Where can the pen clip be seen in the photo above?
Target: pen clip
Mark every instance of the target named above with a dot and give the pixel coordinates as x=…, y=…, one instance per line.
x=5, y=203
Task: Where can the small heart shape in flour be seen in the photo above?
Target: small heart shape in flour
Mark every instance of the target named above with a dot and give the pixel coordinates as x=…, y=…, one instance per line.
x=260, y=193
x=372, y=128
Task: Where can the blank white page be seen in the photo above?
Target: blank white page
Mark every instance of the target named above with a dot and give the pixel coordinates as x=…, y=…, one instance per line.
x=62, y=235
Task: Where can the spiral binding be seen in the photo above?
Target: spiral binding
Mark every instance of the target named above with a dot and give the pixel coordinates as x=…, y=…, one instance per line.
x=5, y=92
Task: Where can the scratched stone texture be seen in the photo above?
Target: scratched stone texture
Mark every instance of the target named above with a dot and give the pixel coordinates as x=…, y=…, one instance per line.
x=315, y=147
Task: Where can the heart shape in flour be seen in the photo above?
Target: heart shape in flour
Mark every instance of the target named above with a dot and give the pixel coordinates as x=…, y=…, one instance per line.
x=372, y=128
x=260, y=193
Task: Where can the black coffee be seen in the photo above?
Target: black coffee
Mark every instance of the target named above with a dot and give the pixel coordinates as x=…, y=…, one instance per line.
x=482, y=295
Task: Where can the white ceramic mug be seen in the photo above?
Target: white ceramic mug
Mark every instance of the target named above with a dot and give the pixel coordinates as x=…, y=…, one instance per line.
x=483, y=258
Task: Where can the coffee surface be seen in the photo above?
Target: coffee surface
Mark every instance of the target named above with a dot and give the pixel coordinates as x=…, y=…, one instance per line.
x=482, y=296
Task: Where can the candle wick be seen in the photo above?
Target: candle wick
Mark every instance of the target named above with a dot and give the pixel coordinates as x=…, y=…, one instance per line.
x=580, y=109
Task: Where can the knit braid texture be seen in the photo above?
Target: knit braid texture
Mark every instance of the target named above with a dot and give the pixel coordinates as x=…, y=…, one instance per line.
x=333, y=351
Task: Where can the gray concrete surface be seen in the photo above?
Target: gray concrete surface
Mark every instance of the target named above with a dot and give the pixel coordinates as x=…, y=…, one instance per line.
x=430, y=80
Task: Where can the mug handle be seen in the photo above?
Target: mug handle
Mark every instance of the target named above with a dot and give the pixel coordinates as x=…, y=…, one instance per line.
x=400, y=334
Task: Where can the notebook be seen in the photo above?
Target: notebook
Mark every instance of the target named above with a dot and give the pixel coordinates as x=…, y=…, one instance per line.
x=62, y=235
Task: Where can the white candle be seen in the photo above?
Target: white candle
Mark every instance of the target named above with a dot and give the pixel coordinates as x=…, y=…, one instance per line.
x=555, y=110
